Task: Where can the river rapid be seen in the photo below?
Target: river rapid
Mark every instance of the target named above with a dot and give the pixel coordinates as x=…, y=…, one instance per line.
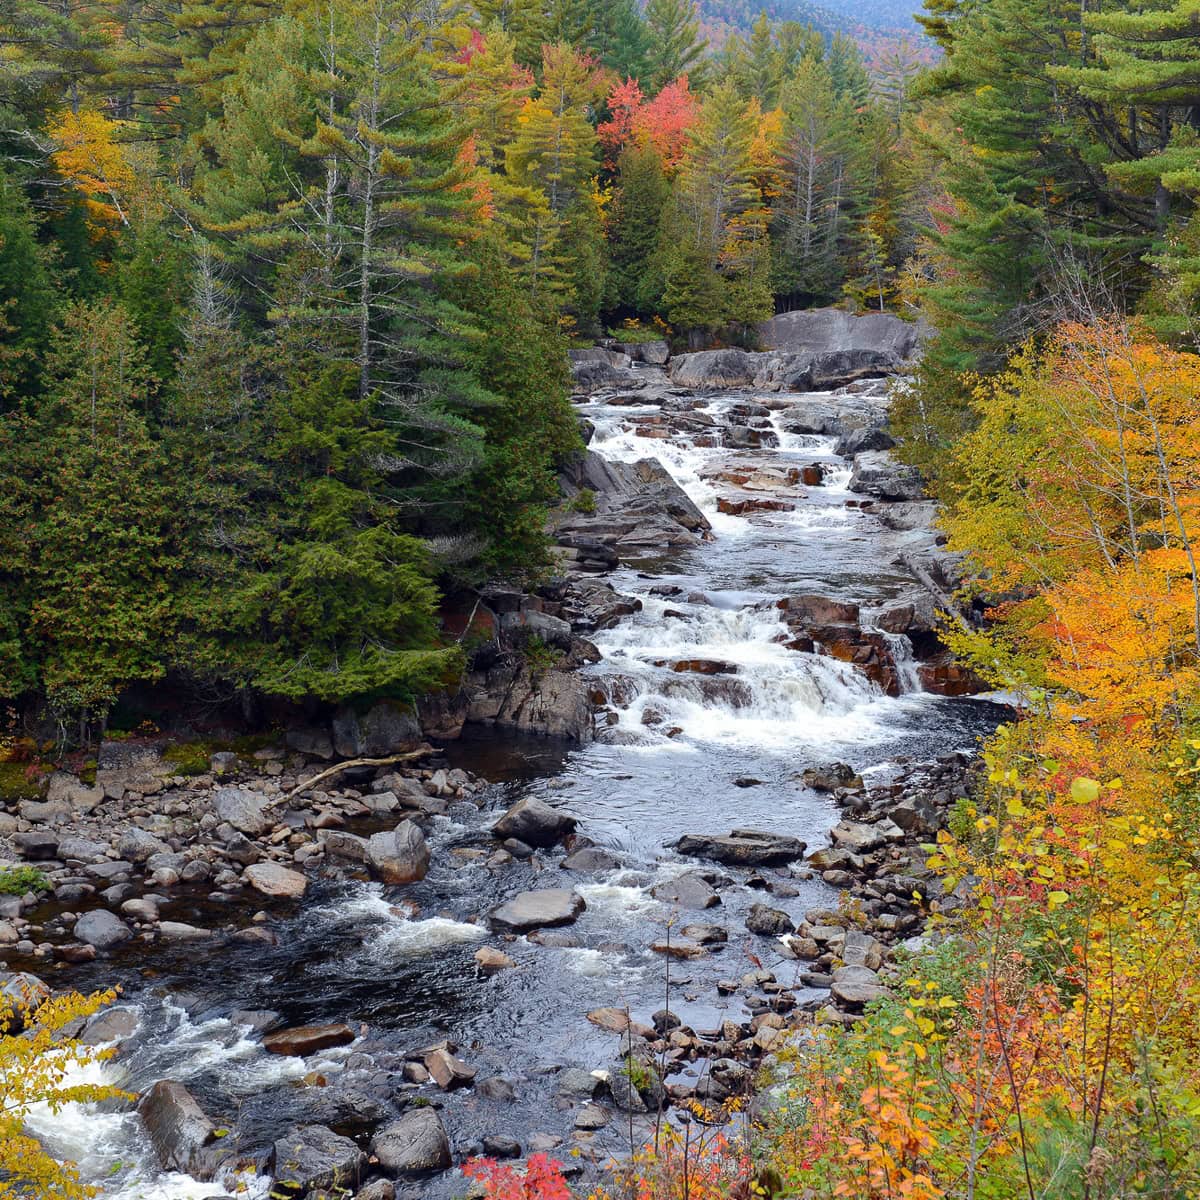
x=674, y=753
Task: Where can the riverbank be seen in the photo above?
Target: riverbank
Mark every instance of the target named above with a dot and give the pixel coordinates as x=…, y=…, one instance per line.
x=723, y=694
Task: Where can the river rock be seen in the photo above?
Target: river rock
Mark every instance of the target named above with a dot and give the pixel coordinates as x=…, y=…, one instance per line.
x=743, y=847
x=862, y=950
x=821, y=330
x=102, y=929
x=448, y=1072
x=83, y=849
x=769, y=922
x=399, y=855
x=304, y=1040
x=830, y=777
x=137, y=845
x=181, y=1133
x=22, y=993
x=859, y=441
x=180, y=931
x=111, y=1025
x=537, y=910
x=274, y=880
x=528, y=625
x=856, y=986
x=591, y=858
x=38, y=846
x=314, y=1159
x=877, y=474
x=714, y=369
x=243, y=809
x=535, y=823
x=491, y=961
x=591, y=1117
x=414, y=1144
x=614, y=1020
x=689, y=890
x=379, y=1189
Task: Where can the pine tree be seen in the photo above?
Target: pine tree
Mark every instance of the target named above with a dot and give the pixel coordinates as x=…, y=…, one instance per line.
x=26, y=296
x=102, y=554
x=676, y=47
x=633, y=226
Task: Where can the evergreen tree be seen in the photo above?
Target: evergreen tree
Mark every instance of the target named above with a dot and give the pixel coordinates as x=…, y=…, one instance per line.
x=150, y=284
x=26, y=296
x=676, y=47
x=633, y=227
x=102, y=558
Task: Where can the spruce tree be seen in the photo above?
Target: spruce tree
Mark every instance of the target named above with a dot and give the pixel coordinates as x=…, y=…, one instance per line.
x=102, y=555
x=676, y=47
x=26, y=296
x=633, y=226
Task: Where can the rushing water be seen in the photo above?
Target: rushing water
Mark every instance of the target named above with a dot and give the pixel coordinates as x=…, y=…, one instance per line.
x=685, y=754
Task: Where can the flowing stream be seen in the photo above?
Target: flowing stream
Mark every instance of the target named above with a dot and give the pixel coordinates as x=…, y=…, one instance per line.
x=682, y=753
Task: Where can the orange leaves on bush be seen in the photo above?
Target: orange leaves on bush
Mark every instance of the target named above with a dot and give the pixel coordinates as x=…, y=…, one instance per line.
x=542, y=1179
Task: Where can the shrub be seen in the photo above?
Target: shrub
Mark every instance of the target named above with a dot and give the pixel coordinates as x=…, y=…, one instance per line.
x=16, y=881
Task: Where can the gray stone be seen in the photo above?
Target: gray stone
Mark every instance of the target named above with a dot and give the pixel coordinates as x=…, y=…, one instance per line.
x=591, y=858
x=743, y=847
x=314, y=743
x=823, y=330
x=83, y=849
x=591, y=1117
x=877, y=474
x=137, y=845
x=770, y=922
x=274, y=880
x=534, y=822
x=315, y=1159
x=414, y=1144
x=111, y=1025
x=688, y=890
x=179, y=931
x=243, y=809
x=387, y=728
x=344, y=845
x=66, y=788
x=102, y=929
x=37, y=847
x=183, y=1136
x=399, y=855
x=855, y=986
x=537, y=910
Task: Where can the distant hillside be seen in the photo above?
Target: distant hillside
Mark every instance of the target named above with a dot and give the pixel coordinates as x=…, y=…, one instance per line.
x=880, y=27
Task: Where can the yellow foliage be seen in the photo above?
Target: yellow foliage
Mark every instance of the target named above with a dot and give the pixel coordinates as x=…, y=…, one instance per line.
x=33, y=1071
x=92, y=159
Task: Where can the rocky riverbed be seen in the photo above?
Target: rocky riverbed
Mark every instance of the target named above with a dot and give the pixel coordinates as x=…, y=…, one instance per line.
x=673, y=816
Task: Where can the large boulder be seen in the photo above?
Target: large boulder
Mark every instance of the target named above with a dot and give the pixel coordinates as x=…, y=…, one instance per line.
x=243, y=809
x=543, y=909
x=534, y=822
x=183, y=1136
x=102, y=929
x=399, y=855
x=743, y=847
x=877, y=474
x=386, y=728
x=414, y=1144
x=822, y=330
x=527, y=625
x=512, y=694
x=714, y=369
x=314, y=1160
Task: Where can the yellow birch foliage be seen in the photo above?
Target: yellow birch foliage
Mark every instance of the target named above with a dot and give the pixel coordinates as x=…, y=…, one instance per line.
x=34, y=1068
x=92, y=159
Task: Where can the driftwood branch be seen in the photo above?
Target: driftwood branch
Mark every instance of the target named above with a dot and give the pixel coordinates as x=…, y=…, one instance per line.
x=329, y=772
x=939, y=593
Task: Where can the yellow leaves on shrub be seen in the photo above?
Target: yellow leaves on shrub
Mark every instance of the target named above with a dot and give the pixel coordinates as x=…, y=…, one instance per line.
x=92, y=159
x=34, y=1070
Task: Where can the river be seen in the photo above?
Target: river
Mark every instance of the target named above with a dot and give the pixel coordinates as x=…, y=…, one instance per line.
x=679, y=753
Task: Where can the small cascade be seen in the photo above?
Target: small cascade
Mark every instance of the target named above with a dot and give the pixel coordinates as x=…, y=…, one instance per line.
x=901, y=650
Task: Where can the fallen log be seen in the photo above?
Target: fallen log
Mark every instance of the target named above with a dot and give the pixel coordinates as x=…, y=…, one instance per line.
x=329, y=772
